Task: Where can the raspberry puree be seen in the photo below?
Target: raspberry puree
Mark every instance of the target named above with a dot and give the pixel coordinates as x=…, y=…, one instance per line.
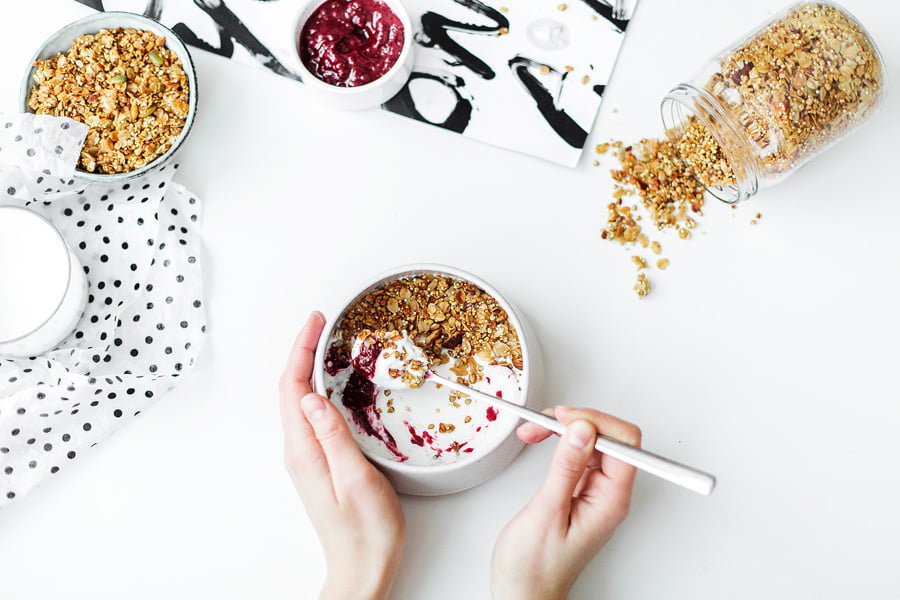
x=348, y=43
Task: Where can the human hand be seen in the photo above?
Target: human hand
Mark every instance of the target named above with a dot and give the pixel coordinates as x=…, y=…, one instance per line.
x=354, y=509
x=585, y=496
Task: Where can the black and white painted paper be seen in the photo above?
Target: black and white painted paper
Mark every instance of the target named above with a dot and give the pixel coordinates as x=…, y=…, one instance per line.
x=526, y=75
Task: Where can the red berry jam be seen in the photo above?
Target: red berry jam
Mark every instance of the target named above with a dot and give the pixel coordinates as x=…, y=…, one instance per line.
x=348, y=43
x=364, y=362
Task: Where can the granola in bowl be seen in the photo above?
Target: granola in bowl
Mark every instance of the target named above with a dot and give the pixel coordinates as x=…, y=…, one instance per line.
x=462, y=332
x=132, y=85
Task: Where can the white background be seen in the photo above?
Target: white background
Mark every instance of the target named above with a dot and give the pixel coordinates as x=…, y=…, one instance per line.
x=766, y=354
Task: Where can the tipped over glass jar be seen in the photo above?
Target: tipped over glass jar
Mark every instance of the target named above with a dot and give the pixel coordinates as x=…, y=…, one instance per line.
x=774, y=100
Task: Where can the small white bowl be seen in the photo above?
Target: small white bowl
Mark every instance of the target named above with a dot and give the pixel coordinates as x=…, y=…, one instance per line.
x=434, y=480
x=369, y=95
x=61, y=42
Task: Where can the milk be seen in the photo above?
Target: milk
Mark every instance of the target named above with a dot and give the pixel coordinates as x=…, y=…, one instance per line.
x=42, y=284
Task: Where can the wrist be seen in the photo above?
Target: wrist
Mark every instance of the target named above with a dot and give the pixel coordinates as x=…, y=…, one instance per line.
x=526, y=592
x=358, y=586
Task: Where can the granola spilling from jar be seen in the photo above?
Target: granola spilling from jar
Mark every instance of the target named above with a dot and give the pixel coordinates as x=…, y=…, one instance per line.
x=377, y=358
x=800, y=83
x=666, y=180
x=126, y=86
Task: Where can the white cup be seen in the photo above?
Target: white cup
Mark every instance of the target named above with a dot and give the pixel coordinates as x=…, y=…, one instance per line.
x=43, y=289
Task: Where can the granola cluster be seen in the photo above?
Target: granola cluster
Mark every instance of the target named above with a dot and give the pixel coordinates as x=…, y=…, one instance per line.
x=406, y=366
x=453, y=321
x=799, y=84
x=126, y=86
x=668, y=180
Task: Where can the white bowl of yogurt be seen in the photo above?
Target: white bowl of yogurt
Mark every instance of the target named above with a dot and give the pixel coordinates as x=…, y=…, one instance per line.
x=429, y=440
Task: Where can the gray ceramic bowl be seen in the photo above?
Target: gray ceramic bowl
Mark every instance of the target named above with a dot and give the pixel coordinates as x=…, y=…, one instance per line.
x=61, y=41
x=433, y=480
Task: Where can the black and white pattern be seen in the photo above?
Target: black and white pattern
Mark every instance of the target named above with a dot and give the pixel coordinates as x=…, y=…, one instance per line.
x=527, y=76
x=145, y=320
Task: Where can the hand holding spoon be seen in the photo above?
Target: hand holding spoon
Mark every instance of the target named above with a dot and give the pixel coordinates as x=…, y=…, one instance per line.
x=392, y=360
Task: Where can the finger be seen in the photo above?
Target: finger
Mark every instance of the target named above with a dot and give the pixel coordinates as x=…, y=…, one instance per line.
x=532, y=433
x=347, y=466
x=567, y=466
x=295, y=380
x=304, y=456
x=609, y=426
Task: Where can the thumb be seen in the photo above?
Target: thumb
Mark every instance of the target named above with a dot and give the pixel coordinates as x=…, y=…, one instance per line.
x=566, y=468
x=341, y=452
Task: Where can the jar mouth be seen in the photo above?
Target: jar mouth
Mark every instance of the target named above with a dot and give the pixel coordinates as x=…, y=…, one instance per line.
x=685, y=101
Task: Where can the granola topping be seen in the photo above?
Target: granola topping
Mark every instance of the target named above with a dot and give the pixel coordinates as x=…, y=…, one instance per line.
x=126, y=86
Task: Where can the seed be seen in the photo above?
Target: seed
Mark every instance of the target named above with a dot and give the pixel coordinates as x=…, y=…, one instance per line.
x=120, y=78
x=561, y=7
x=544, y=69
x=156, y=58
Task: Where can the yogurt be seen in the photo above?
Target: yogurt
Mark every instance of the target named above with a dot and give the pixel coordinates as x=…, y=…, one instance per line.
x=390, y=360
x=415, y=424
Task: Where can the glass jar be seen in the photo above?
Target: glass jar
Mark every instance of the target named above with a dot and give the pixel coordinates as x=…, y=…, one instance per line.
x=775, y=99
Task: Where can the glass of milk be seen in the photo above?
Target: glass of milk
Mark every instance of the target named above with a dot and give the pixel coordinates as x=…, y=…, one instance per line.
x=43, y=289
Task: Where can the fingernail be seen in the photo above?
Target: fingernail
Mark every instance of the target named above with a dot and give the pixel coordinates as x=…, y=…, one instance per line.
x=316, y=315
x=313, y=406
x=579, y=434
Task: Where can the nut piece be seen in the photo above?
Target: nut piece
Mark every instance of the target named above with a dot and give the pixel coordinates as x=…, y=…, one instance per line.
x=126, y=86
x=642, y=287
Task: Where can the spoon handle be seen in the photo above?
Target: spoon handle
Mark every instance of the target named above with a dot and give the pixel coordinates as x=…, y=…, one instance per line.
x=677, y=473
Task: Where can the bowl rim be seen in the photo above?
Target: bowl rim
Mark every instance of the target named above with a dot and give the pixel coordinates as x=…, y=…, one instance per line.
x=412, y=270
x=305, y=11
x=173, y=42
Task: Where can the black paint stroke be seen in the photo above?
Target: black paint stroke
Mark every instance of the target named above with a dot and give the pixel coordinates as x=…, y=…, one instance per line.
x=154, y=9
x=564, y=125
x=436, y=33
x=404, y=104
x=231, y=29
x=605, y=10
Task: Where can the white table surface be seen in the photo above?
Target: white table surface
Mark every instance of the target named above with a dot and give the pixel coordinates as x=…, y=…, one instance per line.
x=766, y=354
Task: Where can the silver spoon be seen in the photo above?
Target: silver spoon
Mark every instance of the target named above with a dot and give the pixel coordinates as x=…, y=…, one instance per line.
x=677, y=473
x=404, y=365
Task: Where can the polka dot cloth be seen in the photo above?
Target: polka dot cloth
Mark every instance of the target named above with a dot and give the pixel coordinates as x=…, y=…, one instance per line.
x=145, y=320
